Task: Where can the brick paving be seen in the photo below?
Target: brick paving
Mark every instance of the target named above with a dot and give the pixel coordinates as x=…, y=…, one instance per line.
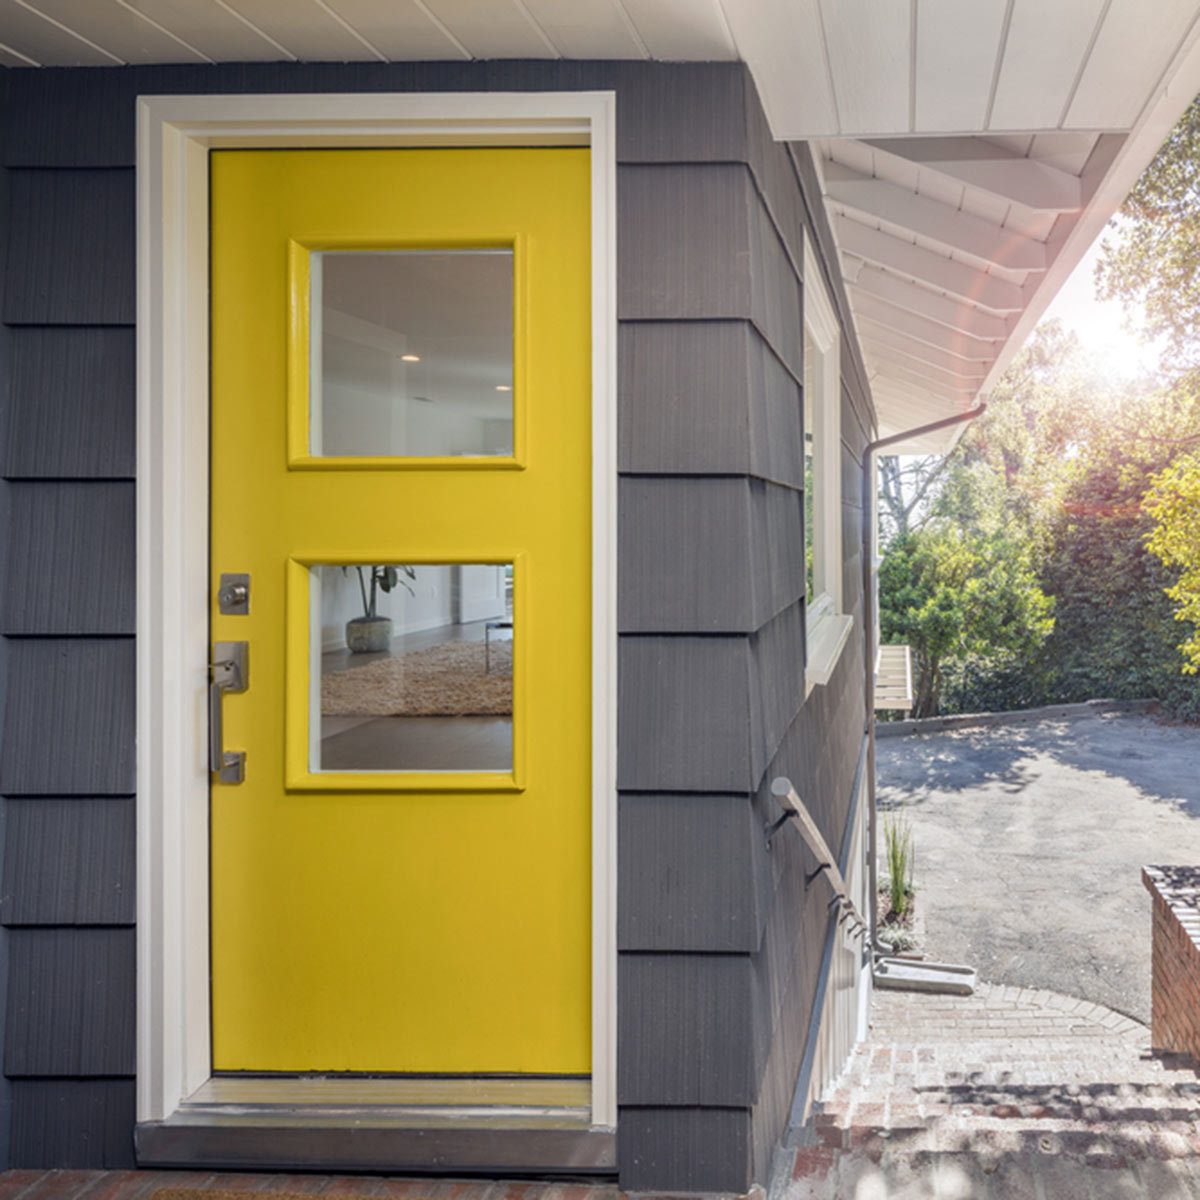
x=1007, y=1094
x=1010, y=1094
x=142, y=1185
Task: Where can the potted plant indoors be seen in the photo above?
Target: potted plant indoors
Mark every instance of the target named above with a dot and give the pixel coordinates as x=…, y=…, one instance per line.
x=371, y=632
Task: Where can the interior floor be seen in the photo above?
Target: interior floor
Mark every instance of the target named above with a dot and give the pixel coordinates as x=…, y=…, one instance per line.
x=420, y=744
x=366, y=743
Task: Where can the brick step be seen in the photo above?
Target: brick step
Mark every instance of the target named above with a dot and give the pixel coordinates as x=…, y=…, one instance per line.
x=1157, y=1139
x=1064, y=1091
x=1061, y=1105
x=1135, y=1168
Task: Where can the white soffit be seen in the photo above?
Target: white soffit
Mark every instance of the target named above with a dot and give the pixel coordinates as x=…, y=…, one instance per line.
x=971, y=150
x=111, y=32
x=953, y=245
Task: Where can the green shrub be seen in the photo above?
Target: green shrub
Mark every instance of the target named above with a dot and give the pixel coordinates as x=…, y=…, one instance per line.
x=898, y=845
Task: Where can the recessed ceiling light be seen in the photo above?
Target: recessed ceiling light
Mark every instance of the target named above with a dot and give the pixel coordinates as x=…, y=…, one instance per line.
x=503, y=387
x=410, y=358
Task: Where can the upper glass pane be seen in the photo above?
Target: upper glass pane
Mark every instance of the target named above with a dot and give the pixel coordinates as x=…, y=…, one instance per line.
x=412, y=353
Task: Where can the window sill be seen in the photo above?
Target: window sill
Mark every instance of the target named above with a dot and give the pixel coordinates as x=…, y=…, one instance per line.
x=826, y=638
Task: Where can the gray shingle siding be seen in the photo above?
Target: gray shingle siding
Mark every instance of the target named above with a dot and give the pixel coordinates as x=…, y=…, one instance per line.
x=720, y=942
x=71, y=407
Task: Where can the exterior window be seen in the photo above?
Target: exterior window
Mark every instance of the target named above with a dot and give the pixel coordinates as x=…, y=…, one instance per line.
x=827, y=626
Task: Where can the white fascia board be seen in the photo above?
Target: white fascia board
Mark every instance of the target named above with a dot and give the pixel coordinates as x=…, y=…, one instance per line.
x=983, y=165
x=906, y=258
x=984, y=240
x=935, y=306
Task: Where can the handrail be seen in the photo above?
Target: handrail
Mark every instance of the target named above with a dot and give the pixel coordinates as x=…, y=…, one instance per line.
x=794, y=808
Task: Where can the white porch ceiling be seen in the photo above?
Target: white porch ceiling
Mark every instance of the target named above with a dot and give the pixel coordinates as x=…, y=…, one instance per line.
x=971, y=150
x=107, y=32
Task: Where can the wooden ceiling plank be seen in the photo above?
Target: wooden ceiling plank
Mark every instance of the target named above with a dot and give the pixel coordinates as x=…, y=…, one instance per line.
x=493, y=28
x=957, y=45
x=885, y=336
x=686, y=29
x=926, y=374
x=869, y=46
x=910, y=395
x=937, y=307
x=947, y=226
x=1127, y=59
x=11, y=58
x=399, y=29
x=587, y=28
x=303, y=29
x=122, y=32
x=959, y=279
x=913, y=323
x=212, y=30
x=794, y=83
x=974, y=162
x=34, y=37
x=1044, y=50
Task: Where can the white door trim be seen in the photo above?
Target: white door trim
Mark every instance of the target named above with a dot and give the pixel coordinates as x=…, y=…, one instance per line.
x=174, y=137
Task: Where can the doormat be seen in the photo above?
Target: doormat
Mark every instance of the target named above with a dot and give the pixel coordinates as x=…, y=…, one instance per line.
x=453, y=679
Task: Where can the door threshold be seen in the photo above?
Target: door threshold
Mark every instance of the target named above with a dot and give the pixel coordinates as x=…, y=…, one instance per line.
x=481, y=1126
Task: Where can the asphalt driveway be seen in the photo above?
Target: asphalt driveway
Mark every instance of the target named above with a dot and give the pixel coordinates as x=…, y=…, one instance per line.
x=1030, y=841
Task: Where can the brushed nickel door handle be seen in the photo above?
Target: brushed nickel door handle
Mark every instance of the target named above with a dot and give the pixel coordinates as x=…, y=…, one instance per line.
x=229, y=672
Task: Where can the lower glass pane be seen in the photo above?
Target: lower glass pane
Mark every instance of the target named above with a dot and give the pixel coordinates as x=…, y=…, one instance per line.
x=415, y=667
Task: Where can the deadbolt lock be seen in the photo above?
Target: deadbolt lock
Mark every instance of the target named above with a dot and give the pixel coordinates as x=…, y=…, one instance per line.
x=233, y=596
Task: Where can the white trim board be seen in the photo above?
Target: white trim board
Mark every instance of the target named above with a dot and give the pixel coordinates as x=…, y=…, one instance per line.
x=174, y=137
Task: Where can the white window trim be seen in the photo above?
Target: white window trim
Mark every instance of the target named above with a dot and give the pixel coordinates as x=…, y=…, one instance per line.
x=828, y=628
x=174, y=137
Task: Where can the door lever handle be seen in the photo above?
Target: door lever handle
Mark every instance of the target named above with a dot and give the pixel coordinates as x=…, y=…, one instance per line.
x=229, y=672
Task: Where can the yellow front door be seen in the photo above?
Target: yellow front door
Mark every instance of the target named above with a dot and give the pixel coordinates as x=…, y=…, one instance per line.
x=401, y=467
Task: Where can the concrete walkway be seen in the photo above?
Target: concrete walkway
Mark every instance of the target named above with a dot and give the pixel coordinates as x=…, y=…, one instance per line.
x=1011, y=1094
x=1030, y=841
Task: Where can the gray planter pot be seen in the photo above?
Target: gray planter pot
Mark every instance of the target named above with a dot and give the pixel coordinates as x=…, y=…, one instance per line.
x=365, y=635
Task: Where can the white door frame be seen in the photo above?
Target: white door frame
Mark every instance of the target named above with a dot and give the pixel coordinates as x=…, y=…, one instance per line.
x=174, y=137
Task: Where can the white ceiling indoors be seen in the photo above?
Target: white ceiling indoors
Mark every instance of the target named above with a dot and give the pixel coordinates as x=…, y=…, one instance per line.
x=971, y=150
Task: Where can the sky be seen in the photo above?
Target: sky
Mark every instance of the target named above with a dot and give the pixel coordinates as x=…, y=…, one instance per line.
x=1101, y=325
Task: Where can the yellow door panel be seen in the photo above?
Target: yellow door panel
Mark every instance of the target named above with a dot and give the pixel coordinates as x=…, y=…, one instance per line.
x=401, y=920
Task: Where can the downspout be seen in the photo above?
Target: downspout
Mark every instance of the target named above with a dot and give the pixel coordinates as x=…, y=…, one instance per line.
x=868, y=542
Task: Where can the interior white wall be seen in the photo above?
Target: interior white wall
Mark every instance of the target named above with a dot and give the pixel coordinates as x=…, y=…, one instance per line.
x=369, y=406
x=481, y=592
x=430, y=607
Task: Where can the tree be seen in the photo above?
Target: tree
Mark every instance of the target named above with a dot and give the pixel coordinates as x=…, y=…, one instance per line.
x=1034, y=416
x=1173, y=502
x=1151, y=260
x=907, y=486
x=1054, y=473
x=1114, y=632
x=958, y=595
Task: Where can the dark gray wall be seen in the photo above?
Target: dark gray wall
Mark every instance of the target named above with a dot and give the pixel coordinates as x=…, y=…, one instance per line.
x=67, y=615
x=720, y=941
